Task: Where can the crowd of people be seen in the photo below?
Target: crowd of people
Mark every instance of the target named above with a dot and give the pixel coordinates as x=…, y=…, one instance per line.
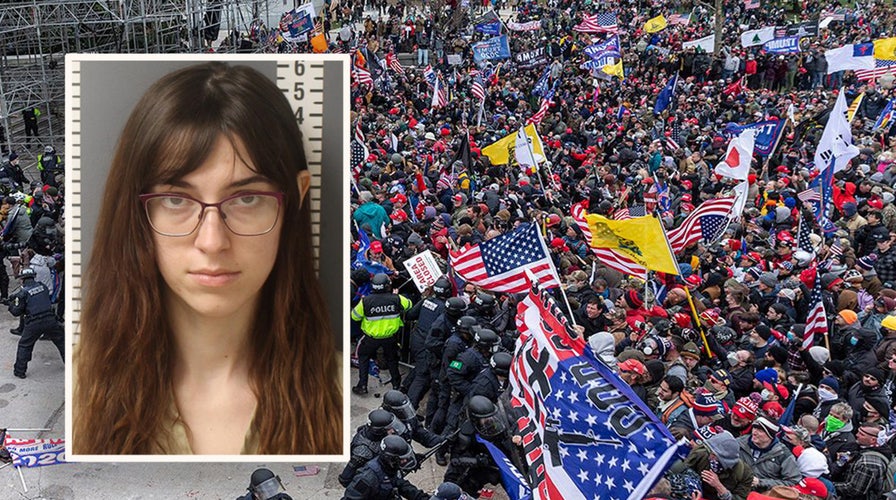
x=719, y=373
x=31, y=241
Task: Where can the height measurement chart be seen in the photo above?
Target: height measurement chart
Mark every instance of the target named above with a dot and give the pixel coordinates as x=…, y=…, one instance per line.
x=302, y=82
x=103, y=89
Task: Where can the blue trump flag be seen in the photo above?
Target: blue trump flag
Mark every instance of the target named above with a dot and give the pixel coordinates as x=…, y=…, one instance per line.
x=361, y=259
x=493, y=48
x=514, y=483
x=767, y=134
x=541, y=86
x=585, y=433
x=665, y=98
x=492, y=28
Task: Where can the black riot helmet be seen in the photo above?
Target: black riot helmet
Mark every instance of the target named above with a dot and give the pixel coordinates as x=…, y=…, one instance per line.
x=397, y=454
x=466, y=325
x=398, y=404
x=381, y=283
x=487, y=340
x=442, y=287
x=449, y=491
x=380, y=423
x=484, y=302
x=27, y=273
x=500, y=363
x=455, y=307
x=484, y=416
x=264, y=485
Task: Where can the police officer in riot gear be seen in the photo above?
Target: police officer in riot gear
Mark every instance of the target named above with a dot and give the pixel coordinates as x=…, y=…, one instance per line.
x=265, y=485
x=465, y=367
x=472, y=466
x=460, y=339
x=426, y=312
x=365, y=445
x=381, y=478
x=380, y=317
x=491, y=381
x=33, y=301
x=398, y=404
x=441, y=329
x=449, y=491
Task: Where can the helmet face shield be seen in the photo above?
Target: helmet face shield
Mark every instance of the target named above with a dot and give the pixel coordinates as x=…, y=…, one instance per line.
x=489, y=426
x=408, y=461
x=267, y=489
x=404, y=412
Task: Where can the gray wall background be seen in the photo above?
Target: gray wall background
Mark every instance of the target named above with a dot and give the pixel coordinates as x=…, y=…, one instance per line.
x=110, y=89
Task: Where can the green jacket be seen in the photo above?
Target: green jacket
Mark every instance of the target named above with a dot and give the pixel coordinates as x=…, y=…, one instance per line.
x=738, y=480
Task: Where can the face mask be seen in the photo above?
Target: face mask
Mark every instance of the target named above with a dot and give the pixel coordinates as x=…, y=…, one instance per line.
x=766, y=394
x=833, y=424
x=853, y=341
x=715, y=465
x=826, y=395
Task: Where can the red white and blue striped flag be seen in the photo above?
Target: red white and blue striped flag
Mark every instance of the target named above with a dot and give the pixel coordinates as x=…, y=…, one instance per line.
x=394, y=63
x=543, y=109
x=706, y=222
x=478, y=87
x=816, y=321
x=881, y=68
x=585, y=433
x=500, y=264
x=605, y=22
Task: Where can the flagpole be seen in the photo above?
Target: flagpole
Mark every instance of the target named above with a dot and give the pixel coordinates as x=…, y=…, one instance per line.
x=556, y=275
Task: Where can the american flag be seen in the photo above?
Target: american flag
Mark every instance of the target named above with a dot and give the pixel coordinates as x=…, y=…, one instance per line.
x=359, y=151
x=682, y=19
x=361, y=76
x=543, y=109
x=881, y=68
x=628, y=213
x=671, y=145
x=816, y=321
x=394, y=63
x=836, y=248
x=706, y=222
x=803, y=241
x=500, y=264
x=809, y=195
x=609, y=257
x=605, y=22
x=573, y=447
x=478, y=87
x=439, y=94
x=772, y=236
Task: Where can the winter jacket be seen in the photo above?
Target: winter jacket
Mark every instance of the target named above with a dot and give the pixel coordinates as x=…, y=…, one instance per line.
x=738, y=479
x=777, y=466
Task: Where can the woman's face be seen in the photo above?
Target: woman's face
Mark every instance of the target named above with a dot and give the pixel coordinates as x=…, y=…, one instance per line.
x=213, y=272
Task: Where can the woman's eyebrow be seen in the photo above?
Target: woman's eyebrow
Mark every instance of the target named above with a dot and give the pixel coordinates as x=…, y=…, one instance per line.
x=180, y=183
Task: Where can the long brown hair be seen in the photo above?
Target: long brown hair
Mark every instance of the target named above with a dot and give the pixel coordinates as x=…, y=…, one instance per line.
x=124, y=394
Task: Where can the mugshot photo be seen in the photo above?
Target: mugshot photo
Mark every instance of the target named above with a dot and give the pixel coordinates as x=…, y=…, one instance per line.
x=204, y=313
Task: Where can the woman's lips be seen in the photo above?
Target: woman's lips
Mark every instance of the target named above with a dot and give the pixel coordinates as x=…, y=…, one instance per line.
x=214, y=278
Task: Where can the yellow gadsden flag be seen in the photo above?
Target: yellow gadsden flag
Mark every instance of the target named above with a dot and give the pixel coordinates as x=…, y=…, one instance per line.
x=658, y=23
x=639, y=238
x=615, y=70
x=885, y=49
x=501, y=151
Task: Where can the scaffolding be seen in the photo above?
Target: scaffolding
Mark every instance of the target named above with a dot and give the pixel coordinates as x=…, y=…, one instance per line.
x=36, y=35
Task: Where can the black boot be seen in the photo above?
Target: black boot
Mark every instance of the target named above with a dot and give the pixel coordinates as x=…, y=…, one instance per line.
x=360, y=390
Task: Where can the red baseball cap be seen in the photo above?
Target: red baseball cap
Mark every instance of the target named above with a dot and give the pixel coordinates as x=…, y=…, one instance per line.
x=812, y=486
x=376, y=247
x=633, y=365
